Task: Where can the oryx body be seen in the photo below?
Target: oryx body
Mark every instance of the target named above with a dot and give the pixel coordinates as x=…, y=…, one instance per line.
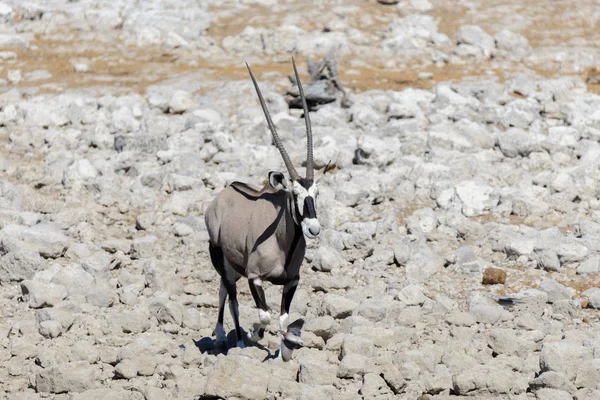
x=259, y=233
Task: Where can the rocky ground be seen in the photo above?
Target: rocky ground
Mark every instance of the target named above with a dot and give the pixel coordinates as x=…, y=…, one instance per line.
x=471, y=139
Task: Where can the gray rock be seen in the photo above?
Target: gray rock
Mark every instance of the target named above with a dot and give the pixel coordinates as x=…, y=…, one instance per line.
x=371, y=309
x=588, y=375
x=467, y=261
x=354, y=344
x=327, y=259
x=102, y=394
x=565, y=357
x=13, y=41
x=461, y=318
x=477, y=134
x=68, y=377
x=517, y=142
x=41, y=294
x=476, y=198
x=394, y=379
x=351, y=193
x=411, y=295
x=556, y=291
x=374, y=386
x=590, y=266
x=376, y=152
x=50, y=329
x=487, y=314
x=482, y=378
x=412, y=32
x=134, y=322
x=101, y=294
x=552, y=394
x=324, y=326
x=192, y=319
x=78, y=171
x=180, y=102
x=6, y=13
x=252, y=378
x=551, y=379
x=144, y=247
x=20, y=265
x=316, y=372
x=571, y=252
x=519, y=113
x=75, y=279
x=166, y=311
x=338, y=307
x=409, y=316
x=44, y=239
x=64, y=315
x=593, y=295
x=352, y=365
x=531, y=302
x=511, y=45
x=126, y=369
x=137, y=143
x=161, y=277
x=114, y=245
x=472, y=35
x=423, y=263
x=84, y=350
x=365, y=116
x=514, y=342
x=548, y=260
x=182, y=230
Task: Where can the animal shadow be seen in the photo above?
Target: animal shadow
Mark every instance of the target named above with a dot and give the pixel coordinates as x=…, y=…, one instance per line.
x=209, y=345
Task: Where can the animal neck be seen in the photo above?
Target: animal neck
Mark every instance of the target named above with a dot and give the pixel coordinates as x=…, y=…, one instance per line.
x=293, y=211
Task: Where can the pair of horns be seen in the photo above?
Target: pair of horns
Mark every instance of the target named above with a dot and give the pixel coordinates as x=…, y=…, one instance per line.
x=309, y=142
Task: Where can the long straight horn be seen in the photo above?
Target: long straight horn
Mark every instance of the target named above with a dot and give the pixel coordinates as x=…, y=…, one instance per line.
x=310, y=173
x=286, y=158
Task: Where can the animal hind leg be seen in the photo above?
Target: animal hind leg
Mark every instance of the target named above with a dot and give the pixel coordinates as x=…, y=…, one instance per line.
x=228, y=288
x=233, y=308
x=263, y=310
x=221, y=336
x=216, y=256
x=229, y=282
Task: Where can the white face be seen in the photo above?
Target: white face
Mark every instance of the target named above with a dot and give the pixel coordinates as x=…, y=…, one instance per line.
x=306, y=201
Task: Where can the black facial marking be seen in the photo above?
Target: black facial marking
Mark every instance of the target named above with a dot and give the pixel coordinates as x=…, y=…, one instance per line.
x=309, y=208
x=306, y=183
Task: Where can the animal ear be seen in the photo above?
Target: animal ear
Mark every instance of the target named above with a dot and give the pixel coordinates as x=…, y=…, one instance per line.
x=277, y=180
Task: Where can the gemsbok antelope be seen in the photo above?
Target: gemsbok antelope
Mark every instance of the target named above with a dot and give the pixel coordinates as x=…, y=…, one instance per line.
x=259, y=233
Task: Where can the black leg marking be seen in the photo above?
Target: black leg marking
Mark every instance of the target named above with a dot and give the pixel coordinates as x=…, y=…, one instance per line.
x=258, y=294
x=289, y=289
x=228, y=289
x=261, y=303
x=233, y=308
x=216, y=256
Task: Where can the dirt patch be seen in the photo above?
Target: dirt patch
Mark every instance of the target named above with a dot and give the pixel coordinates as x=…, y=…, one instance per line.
x=135, y=68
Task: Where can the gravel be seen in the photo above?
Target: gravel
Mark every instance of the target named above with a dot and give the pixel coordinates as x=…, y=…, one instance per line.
x=459, y=254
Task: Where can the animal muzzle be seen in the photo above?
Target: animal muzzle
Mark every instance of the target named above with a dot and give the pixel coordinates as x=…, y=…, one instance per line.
x=311, y=227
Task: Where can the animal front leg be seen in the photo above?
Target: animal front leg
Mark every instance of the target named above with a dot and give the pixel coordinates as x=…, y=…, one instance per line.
x=289, y=289
x=290, y=334
x=263, y=310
